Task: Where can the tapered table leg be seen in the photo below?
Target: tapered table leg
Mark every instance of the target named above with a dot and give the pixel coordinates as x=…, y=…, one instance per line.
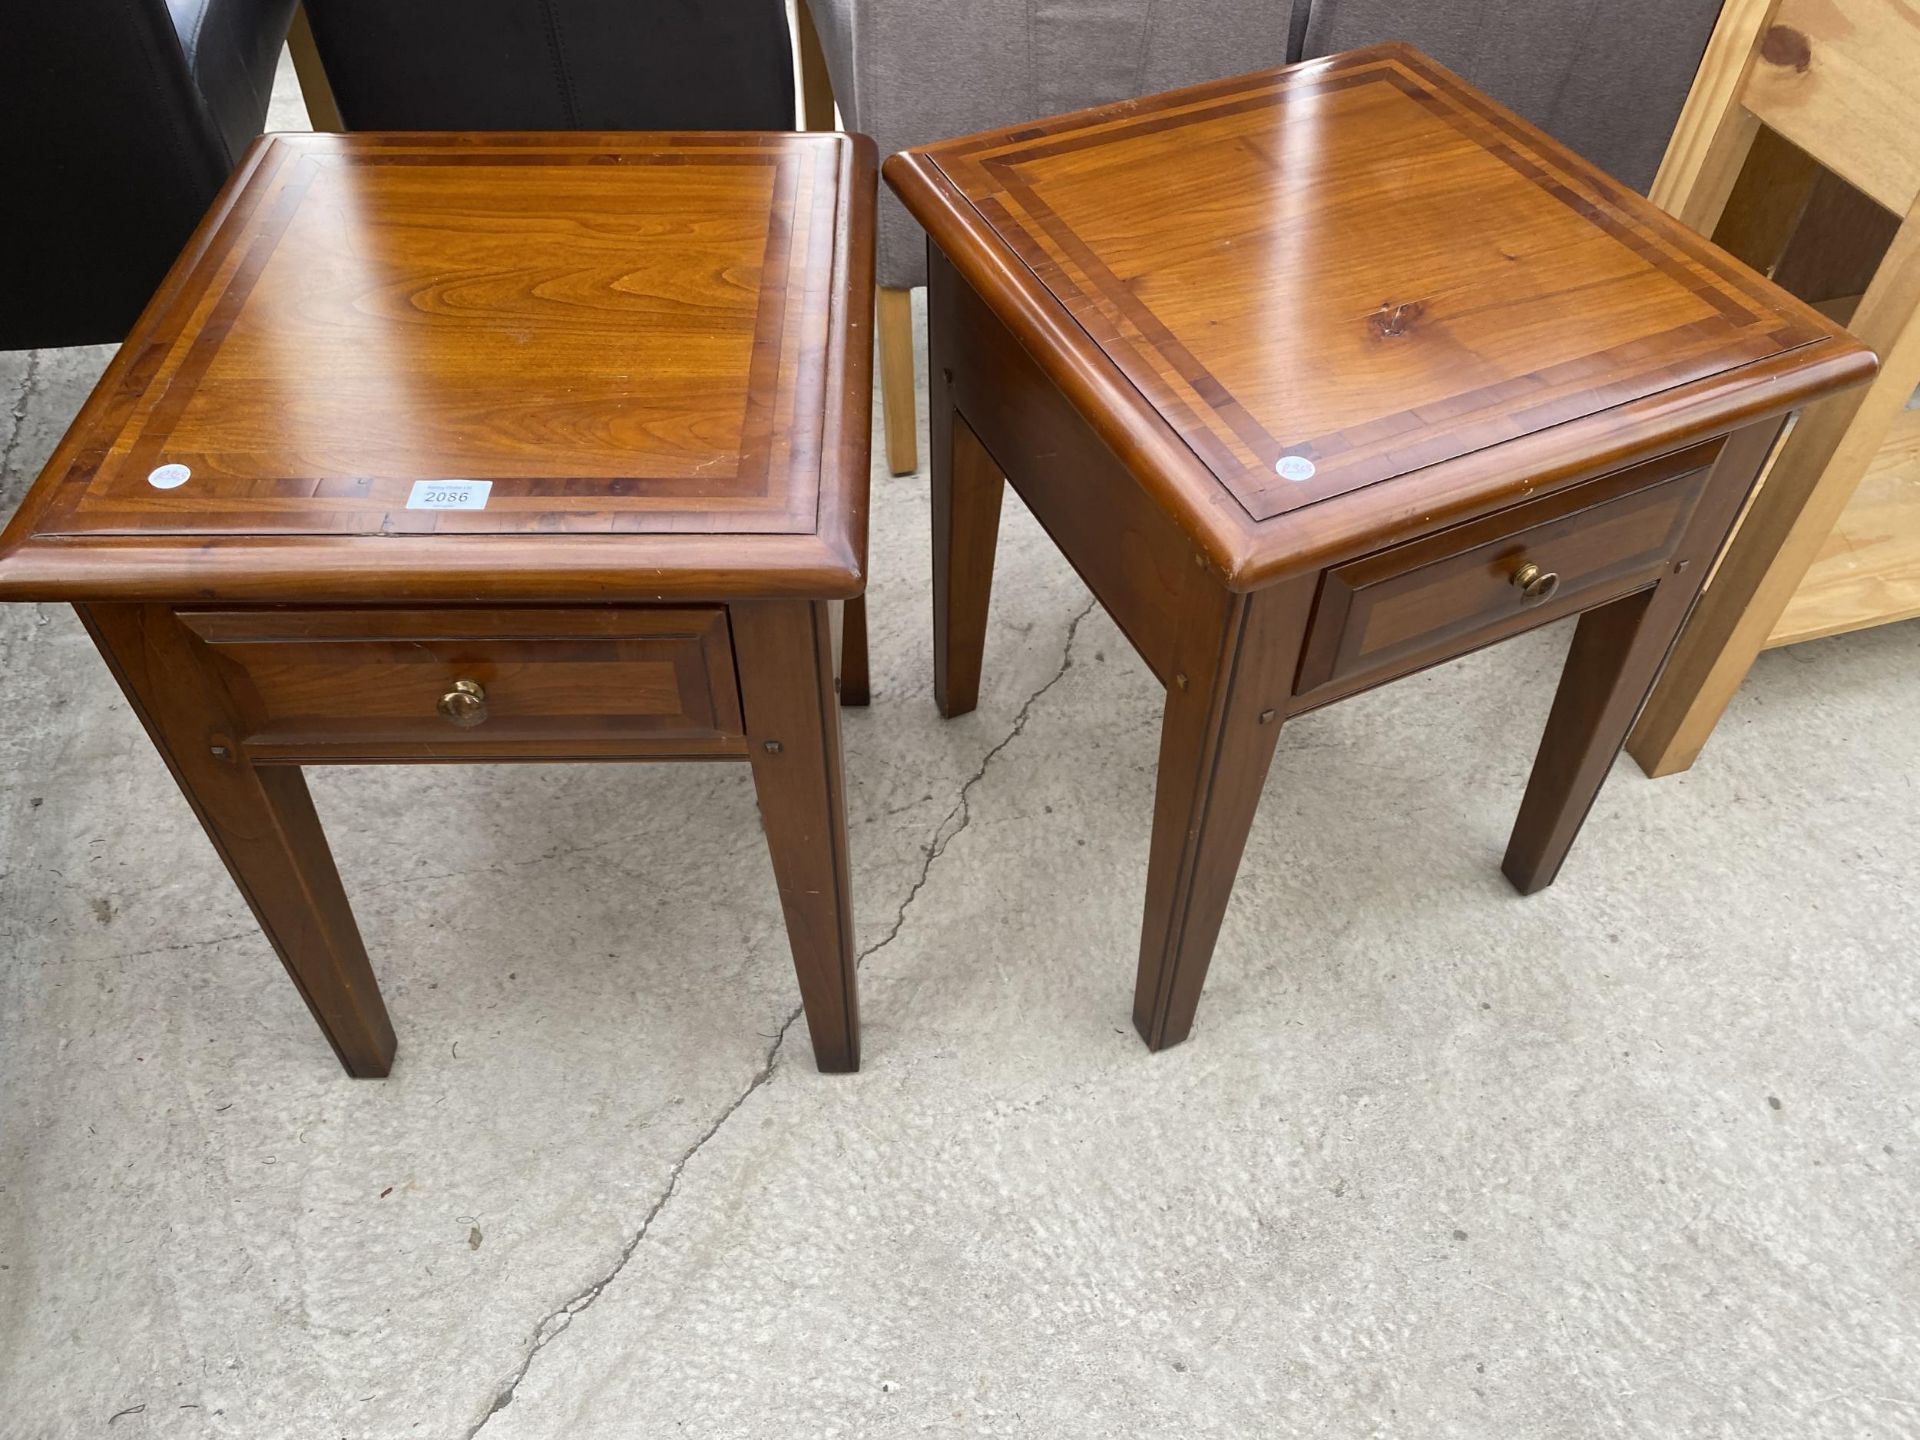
x=967, y=488
x=260, y=819
x=784, y=651
x=855, y=687
x=1234, y=664
x=1617, y=654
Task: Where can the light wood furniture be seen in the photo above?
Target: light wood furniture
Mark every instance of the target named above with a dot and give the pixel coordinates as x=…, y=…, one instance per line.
x=1832, y=540
x=1322, y=376
x=487, y=447
x=893, y=313
x=323, y=111
x=816, y=85
x=898, y=404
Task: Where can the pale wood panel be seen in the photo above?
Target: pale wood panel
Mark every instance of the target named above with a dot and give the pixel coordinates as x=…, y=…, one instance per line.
x=816, y=85
x=1763, y=215
x=895, y=317
x=1811, y=480
x=1711, y=139
x=1811, y=557
x=1868, y=572
x=323, y=111
x=1837, y=77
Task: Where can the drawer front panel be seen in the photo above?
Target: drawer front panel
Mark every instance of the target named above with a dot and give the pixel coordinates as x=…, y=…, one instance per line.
x=1424, y=601
x=341, y=679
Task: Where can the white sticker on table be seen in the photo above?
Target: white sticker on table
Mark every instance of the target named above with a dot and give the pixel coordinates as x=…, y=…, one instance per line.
x=449, y=495
x=169, y=477
x=1294, y=467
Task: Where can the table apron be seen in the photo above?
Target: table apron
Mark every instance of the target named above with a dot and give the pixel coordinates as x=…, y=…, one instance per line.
x=345, y=685
x=1124, y=545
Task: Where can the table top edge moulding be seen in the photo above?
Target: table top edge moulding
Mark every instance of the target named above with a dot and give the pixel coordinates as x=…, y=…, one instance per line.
x=1000, y=206
x=797, y=528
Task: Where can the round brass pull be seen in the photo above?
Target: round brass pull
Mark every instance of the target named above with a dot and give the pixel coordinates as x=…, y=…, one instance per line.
x=1535, y=584
x=465, y=704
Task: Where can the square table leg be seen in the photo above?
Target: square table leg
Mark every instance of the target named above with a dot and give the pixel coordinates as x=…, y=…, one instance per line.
x=855, y=687
x=967, y=487
x=1234, y=662
x=260, y=819
x=784, y=653
x=1617, y=654
x=1617, y=651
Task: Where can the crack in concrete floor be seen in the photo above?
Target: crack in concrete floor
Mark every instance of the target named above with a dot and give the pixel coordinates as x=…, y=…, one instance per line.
x=18, y=413
x=1396, y=1057
x=555, y=1322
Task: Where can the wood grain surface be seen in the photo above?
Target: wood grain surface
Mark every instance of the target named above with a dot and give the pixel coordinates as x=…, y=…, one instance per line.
x=1289, y=291
x=637, y=338
x=1868, y=569
x=1403, y=607
x=337, y=684
x=1836, y=78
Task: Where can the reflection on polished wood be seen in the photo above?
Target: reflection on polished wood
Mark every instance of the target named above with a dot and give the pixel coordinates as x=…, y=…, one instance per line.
x=640, y=367
x=1323, y=375
x=624, y=337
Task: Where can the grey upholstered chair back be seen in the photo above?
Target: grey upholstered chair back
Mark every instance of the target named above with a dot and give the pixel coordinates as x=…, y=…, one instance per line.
x=1606, y=77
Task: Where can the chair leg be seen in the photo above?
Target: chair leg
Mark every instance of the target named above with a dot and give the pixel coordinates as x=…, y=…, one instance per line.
x=323, y=112
x=855, y=688
x=816, y=86
x=895, y=309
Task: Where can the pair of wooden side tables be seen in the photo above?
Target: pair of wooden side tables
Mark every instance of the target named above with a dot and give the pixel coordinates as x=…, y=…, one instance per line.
x=555, y=447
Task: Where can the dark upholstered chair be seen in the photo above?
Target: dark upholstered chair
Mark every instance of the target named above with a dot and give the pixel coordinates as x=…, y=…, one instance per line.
x=119, y=121
x=557, y=64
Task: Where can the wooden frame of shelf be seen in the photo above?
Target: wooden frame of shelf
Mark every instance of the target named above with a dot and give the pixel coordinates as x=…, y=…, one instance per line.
x=1868, y=571
x=1795, y=151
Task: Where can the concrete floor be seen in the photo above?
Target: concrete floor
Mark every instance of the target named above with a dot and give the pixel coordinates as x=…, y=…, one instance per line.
x=1636, y=1157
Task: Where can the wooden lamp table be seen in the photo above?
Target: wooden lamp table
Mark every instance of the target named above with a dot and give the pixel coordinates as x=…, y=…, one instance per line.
x=488, y=448
x=1322, y=376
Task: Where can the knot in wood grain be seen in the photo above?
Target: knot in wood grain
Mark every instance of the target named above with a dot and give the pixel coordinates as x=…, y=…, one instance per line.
x=1787, y=47
x=1391, y=319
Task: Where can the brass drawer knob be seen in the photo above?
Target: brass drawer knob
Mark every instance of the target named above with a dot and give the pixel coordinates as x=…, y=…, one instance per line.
x=465, y=704
x=1535, y=584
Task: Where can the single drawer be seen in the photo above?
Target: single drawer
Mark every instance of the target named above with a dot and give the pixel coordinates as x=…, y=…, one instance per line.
x=416, y=683
x=1430, y=599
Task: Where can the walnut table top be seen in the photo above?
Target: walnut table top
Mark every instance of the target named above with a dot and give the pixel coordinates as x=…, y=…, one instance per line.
x=632, y=360
x=1282, y=296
